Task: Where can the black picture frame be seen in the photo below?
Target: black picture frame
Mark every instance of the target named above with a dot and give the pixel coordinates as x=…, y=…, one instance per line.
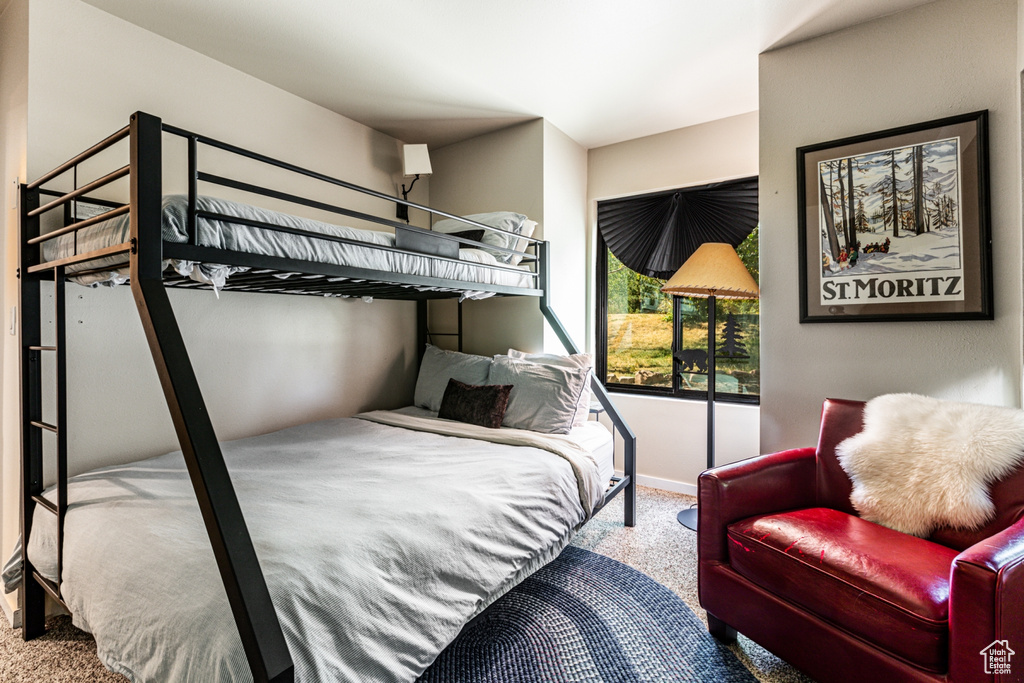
x=925, y=256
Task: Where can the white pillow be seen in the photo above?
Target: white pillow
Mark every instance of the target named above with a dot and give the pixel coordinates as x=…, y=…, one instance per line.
x=544, y=398
x=438, y=366
x=527, y=231
x=509, y=221
x=576, y=360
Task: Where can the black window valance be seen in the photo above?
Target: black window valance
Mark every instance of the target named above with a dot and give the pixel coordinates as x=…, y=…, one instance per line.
x=655, y=233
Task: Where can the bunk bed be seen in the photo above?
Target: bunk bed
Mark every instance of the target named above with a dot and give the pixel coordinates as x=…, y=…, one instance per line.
x=194, y=242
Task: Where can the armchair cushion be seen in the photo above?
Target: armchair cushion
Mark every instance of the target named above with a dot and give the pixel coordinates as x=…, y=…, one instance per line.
x=780, y=481
x=887, y=588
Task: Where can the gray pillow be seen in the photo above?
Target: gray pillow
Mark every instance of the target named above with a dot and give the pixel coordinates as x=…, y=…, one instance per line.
x=509, y=221
x=543, y=398
x=438, y=366
x=576, y=360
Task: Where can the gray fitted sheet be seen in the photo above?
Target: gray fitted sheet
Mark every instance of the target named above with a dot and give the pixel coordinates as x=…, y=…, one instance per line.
x=471, y=268
x=378, y=544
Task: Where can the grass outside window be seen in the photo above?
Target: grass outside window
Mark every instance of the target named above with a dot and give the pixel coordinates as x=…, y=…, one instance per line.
x=639, y=333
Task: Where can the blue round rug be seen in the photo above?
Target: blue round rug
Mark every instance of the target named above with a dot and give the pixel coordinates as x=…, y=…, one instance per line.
x=586, y=618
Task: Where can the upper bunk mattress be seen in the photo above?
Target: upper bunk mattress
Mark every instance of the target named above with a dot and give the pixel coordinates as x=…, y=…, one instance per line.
x=472, y=267
x=378, y=543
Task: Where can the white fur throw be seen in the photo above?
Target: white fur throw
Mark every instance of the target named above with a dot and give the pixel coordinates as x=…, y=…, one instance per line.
x=922, y=463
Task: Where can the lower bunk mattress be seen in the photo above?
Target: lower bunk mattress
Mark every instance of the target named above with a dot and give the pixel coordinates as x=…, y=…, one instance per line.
x=379, y=536
x=473, y=266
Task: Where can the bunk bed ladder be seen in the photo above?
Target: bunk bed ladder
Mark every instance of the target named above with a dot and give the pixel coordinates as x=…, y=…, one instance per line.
x=429, y=336
x=35, y=587
x=248, y=595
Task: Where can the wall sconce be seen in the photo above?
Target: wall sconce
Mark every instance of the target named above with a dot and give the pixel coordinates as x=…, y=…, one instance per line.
x=415, y=162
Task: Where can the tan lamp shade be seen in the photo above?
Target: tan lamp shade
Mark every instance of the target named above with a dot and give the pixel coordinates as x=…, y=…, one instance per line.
x=415, y=160
x=715, y=269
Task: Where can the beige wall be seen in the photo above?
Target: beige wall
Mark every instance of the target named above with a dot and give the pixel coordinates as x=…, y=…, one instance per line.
x=940, y=59
x=672, y=434
x=13, y=141
x=565, y=221
x=500, y=171
x=695, y=155
x=1020, y=34
x=537, y=170
x=263, y=361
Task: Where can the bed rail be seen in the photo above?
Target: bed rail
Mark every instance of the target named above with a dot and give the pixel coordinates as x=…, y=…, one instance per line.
x=260, y=631
x=333, y=208
x=626, y=483
x=195, y=139
x=394, y=285
x=87, y=154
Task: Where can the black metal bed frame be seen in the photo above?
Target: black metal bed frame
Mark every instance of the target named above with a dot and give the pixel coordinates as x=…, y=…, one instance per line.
x=247, y=592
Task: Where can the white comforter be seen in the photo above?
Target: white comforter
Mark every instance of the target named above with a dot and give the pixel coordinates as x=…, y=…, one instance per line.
x=378, y=544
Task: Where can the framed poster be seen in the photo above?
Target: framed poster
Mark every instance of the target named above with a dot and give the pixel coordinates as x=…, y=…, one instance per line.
x=894, y=225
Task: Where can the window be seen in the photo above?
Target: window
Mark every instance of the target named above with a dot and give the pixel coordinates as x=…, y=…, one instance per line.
x=638, y=327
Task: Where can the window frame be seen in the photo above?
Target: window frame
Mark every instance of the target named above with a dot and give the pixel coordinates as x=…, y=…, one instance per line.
x=601, y=343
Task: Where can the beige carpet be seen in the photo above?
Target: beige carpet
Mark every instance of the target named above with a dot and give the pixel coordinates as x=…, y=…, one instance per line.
x=658, y=546
x=63, y=655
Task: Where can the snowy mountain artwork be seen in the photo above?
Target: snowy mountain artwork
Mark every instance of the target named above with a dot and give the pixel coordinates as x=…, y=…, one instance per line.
x=891, y=226
x=895, y=225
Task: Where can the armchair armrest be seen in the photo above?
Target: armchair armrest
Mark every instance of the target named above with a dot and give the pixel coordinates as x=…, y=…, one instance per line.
x=769, y=483
x=986, y=599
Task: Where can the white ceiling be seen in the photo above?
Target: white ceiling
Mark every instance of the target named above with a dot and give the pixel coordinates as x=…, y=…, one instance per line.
x=439, y=71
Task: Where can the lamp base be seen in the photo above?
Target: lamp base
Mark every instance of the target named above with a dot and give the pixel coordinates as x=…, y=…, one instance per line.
x=688, y=518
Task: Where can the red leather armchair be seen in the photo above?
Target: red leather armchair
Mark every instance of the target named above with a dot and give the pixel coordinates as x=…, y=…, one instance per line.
x=785, y=560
